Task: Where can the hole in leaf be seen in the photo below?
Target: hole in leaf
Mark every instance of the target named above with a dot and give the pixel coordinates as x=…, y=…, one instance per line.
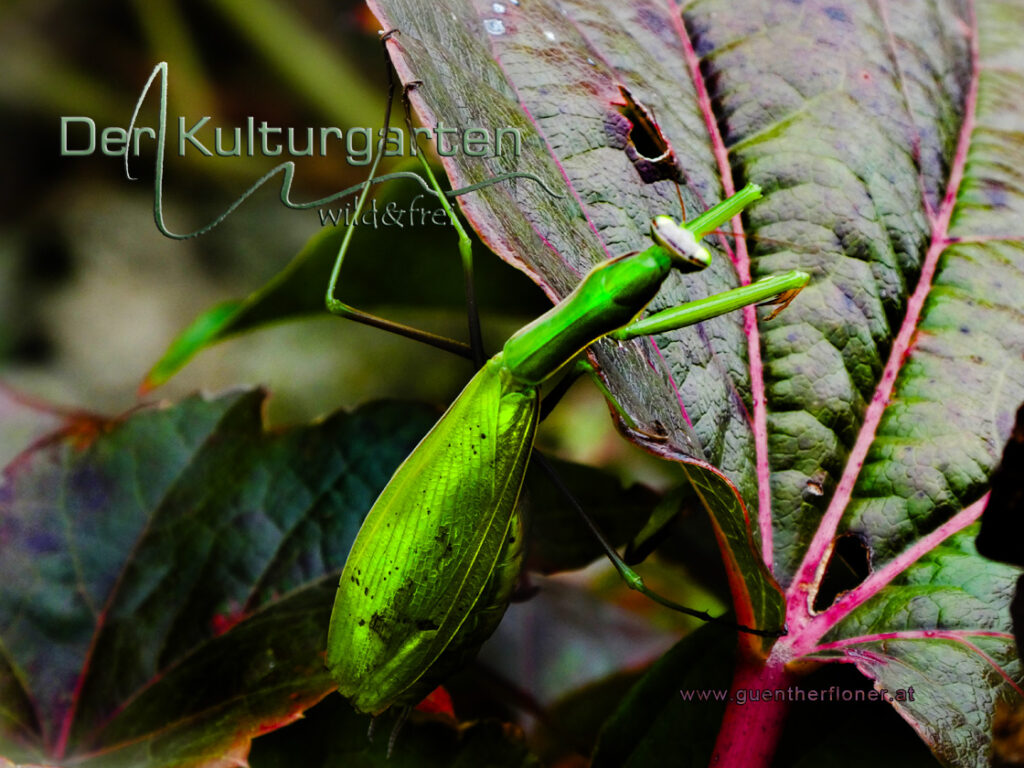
x=632, y=128
x=815, y=486
x=848, y=566
x=644, y=132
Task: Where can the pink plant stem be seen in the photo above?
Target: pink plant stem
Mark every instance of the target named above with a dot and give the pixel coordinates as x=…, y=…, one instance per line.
x=750, y=731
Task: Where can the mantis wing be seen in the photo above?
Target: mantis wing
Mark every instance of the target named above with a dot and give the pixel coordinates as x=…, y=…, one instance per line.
x=431, y=542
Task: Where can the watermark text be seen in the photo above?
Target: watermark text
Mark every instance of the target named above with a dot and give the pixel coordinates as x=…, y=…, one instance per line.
x=792, y=693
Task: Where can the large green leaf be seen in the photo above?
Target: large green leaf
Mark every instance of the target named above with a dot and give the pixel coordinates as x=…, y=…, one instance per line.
x=888, y=139
x=475, y=76
x=939, y=629
x=163, y=595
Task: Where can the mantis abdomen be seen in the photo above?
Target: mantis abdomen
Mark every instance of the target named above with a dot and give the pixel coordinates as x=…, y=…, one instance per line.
x=441, y=544
x=485, y=616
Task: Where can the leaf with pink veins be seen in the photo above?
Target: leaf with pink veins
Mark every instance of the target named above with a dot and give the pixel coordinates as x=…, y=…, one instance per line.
x=887, y=138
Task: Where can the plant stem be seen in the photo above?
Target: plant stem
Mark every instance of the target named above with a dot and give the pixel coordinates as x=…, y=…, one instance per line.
x=750, y=731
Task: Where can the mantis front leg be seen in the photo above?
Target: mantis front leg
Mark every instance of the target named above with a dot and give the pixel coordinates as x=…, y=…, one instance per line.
x=778, y=289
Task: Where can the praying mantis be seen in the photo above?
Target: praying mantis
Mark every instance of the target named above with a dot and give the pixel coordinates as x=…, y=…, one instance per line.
x=436, y=560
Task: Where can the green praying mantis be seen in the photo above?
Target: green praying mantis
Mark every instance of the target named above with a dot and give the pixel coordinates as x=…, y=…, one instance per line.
x=437, y=558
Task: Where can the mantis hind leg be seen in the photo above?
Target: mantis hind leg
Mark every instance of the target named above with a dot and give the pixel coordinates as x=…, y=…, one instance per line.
x=403, y=715
x=396, y=729
x=465, y=244
x=342, y=309
x=632, y=578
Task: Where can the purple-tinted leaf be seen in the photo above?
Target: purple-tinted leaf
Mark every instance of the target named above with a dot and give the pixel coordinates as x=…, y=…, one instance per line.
x=554, y=73
x=165, y=580
x=887, y=137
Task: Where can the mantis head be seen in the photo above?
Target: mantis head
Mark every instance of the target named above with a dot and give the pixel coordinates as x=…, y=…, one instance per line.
x=687, y=254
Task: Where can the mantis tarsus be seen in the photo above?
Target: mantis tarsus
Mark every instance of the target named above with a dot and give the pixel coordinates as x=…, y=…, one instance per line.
x=436, y=560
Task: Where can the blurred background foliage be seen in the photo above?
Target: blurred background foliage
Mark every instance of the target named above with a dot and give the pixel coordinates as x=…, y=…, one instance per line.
x=91, y=293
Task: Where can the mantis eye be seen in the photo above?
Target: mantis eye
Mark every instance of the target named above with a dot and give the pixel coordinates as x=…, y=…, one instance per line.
x=687, y=254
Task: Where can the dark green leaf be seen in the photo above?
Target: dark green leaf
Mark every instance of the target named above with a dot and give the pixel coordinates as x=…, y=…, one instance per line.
x=163, y=587
x=559, y=538
x=575, y=721
x=654, y=725
x=332, y=734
